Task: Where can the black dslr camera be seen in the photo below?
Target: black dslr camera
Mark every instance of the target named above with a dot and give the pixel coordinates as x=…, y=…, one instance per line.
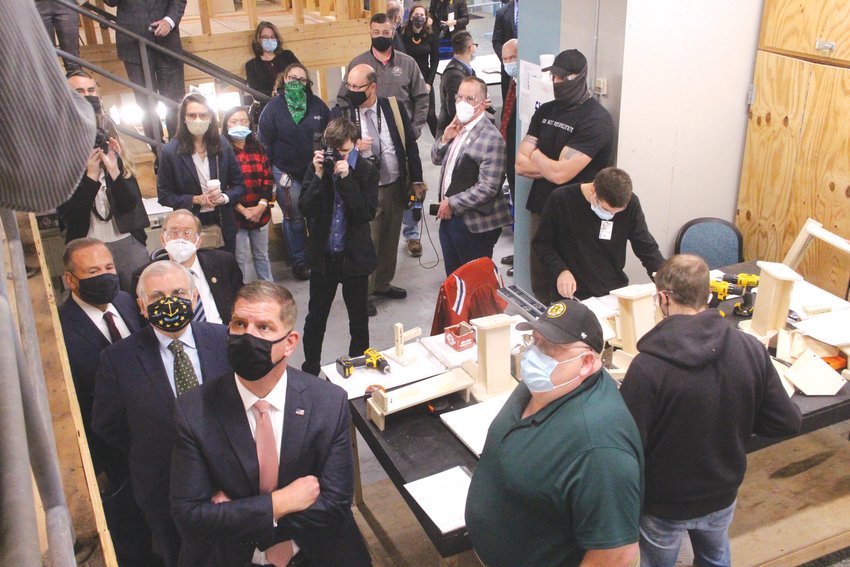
x=101, y=140
x=329, y=157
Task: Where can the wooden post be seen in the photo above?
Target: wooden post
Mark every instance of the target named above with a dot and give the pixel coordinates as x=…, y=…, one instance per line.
x=343, y=10
x=206, y=16
x=325, y=7
x=771, y=309
x=493, y=334
x=88, y=30
x=637, y=314
x=323, y=81
x=298, y=8
x=250, y=7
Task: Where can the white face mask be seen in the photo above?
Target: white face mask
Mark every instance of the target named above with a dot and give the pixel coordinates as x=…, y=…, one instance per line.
x=464, y=111
x=198, y=127
x=180, y=250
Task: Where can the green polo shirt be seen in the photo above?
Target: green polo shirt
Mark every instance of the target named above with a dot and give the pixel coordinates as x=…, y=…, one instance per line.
x=564, y=480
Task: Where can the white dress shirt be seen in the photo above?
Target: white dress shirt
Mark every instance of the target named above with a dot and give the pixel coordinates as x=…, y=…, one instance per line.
x=455, y=148
x=204, y=293
x=390, y=170
x=105, y=231
x=97, y=317
x=277, y=405
x=189, y=347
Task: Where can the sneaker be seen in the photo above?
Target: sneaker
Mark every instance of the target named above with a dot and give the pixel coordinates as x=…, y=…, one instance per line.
x=301, y=273
x=511, y=272
x=414, y=248
x=507, y=260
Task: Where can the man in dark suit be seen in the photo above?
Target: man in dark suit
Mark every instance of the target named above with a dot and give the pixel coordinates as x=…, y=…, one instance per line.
x=138, y=379
x=263, y=468
x=389, y=142
x=472, y=208
x=504, y=29
x=217, y=275
x=96, y=315
x=158, y=21
x=459, y=68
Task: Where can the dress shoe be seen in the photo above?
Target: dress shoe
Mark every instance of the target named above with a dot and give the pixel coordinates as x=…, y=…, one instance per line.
x=392, y=292
x=414, y=248
x=507, y=260
x=370, y=308
x=511, y=272
x=301, y=272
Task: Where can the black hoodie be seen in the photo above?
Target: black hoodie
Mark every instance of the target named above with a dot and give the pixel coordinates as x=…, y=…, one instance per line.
x=698, y=390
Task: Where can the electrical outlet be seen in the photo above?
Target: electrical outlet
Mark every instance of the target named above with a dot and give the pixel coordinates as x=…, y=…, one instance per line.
x=601, y=87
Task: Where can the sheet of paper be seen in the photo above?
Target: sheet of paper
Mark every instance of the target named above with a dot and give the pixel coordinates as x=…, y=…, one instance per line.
x=443, y=497
x=471, y=423
x=152, y=207
x=831, y=328
x=806, y=295
x=533, y=90
x=451, y=16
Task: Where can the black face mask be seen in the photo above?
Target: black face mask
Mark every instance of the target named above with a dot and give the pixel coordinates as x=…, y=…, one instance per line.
x=356, y=98
x=171, y=313
x=382, y=44
x=418, y=21
x=250, y=356
x=98, y=290
x=94, y=101
x=572, y=92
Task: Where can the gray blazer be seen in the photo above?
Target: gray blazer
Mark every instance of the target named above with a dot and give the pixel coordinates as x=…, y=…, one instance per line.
x=476, y=193
x=137, y=15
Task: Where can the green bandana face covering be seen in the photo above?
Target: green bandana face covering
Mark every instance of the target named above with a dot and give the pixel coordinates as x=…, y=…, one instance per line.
x=296, y=99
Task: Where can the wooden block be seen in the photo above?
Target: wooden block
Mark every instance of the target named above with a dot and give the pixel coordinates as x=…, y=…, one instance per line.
x=774, y=297
x=814, y=377
x=636, y=315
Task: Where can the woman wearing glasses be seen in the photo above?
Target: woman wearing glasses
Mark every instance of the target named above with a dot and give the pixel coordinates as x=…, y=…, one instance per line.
x=253, y=208
x=270, y=60
x=199, y=171
x=288, y=126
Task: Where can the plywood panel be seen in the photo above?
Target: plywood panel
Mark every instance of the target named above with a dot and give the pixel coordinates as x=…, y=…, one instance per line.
x=775, y=120
x=835, y=14
x=790, y=25
x=822, y=179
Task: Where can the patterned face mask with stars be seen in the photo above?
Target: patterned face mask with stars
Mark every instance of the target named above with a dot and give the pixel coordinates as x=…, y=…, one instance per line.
x=171, y=313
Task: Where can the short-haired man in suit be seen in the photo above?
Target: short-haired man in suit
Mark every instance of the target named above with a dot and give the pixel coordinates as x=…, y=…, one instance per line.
x=138, y=380
x=98, y=314
x=459, y=68
x=216, y=273
x=472, y=207
x=505, y=29
x=263, y=468
x=392, y=147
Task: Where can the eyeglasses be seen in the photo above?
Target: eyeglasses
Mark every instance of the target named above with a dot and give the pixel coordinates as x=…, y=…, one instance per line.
x=351, y=87
x=302, y=80
x=470, y=99
x=198, y=115
x=548, y=348
x=178, y=292
x=239, y=122
x=272, y=36
x=184, y=233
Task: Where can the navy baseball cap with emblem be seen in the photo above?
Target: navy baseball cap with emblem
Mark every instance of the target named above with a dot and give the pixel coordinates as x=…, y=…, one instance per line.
x=565, y=322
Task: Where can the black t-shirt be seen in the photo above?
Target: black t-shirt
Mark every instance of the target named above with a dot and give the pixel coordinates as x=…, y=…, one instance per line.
x=261, y=74
x=587, y=128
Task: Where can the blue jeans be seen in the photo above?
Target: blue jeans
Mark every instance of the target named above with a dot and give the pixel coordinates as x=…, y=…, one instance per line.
x=258, y=241
x=660, y=539
x=409, y=227
x=293, y=222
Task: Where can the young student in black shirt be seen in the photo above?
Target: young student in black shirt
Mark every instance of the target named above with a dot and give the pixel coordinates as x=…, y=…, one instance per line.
x=583, y=232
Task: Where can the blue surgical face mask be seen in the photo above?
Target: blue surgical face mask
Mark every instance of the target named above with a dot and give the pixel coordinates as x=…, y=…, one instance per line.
x=512, y=69
x=269, y=45
x=239, y=132
x=600, y=212
x=537, y=369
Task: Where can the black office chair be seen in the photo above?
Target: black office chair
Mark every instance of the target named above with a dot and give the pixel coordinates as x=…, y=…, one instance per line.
x=717, y=241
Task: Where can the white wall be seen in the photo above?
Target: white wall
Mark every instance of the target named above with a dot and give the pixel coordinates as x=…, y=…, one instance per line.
x=683, y=113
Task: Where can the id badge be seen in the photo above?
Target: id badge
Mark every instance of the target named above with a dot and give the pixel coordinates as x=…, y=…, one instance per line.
x=606, y=229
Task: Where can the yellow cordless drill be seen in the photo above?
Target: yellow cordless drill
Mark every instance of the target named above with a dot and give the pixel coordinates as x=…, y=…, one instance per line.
x=724, y=289
x=744, y=280
x=371, y=358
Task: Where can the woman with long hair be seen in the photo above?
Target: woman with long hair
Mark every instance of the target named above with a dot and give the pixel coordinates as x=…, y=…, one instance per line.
x=448, y=16
x=288, y=127
x=253, y=208
x=421, y=43
x=270, y=60
x=198, y=169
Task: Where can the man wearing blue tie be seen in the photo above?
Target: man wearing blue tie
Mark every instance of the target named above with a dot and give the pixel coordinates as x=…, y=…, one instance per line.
x=140, y=377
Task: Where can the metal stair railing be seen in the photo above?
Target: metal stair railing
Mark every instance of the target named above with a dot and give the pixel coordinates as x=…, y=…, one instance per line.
x=220, y=74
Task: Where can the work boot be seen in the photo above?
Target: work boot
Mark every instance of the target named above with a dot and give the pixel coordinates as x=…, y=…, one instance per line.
x=301, y=272
x=414, y=248
x=507, y=260
x=371, y=310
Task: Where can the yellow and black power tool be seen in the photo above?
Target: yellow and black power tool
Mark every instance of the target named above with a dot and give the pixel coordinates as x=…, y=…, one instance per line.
x=371, y=358
x=744, y=280
x=723, y=289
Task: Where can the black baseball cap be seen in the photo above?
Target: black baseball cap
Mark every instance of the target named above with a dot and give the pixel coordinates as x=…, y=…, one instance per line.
x=565, y=322
x=567, y=62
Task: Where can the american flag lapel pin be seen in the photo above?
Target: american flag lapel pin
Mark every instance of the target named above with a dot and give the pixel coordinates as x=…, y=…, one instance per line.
x=299, y=411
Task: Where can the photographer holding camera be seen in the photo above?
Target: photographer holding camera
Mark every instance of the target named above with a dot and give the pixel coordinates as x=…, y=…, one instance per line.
x=107, y=204
x=339, y=199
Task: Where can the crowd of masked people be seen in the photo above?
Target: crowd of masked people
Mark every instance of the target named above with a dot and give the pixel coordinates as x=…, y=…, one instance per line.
x=210, y=449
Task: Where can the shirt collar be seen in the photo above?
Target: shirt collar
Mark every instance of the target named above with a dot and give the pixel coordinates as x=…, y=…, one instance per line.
x=387, y=60
x=276, y=398
x=471, y=124
x=93, y=312
x=467, y=67
x=196, y=267
x=187, y=338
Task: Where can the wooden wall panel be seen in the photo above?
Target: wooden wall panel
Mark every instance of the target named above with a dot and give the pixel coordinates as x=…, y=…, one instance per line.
x=790, y=25
x=775, y=120
x=834, y=27
x=821, y=186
